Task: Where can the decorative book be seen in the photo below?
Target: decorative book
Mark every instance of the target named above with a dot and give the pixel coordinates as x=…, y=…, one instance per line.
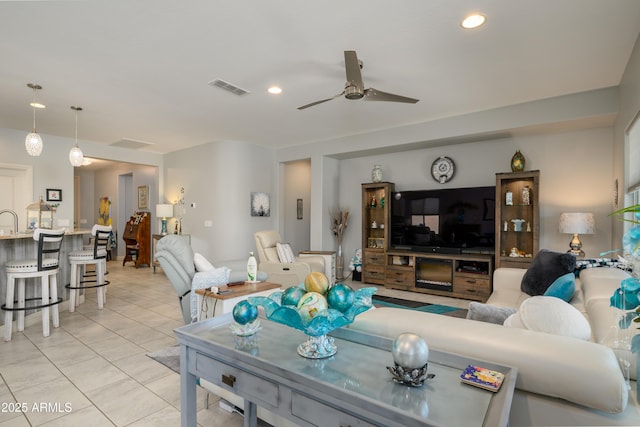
x=482, y=377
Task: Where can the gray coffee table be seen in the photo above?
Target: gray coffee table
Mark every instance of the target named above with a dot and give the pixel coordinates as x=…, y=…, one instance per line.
x=352, y=387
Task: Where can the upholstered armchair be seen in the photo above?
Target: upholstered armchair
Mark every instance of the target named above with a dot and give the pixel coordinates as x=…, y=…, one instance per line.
x=271, y=254
x=185, y=270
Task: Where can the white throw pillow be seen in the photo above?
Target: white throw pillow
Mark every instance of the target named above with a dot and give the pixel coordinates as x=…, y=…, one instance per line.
x=285, y=253
x=201, y=263
x=551, y=315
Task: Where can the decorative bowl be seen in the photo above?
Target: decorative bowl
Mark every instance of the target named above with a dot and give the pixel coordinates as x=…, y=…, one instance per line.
x=318, y=345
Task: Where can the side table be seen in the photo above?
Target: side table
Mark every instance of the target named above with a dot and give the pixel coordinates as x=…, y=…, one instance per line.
x=211, y=304
x=329, y=263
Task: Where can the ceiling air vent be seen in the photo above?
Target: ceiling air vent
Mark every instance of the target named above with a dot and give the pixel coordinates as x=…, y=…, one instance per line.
x=228, y=87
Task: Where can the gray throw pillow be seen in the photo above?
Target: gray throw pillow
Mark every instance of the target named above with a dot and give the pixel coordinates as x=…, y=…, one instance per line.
x=545, y=268
x=489, y=313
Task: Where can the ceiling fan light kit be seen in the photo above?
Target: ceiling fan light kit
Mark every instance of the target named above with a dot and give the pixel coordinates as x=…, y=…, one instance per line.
x=354, y=87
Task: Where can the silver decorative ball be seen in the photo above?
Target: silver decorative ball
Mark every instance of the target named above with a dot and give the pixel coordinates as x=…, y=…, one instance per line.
x=410, y=351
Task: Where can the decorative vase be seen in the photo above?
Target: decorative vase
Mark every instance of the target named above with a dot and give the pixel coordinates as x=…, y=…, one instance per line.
x=339, y=263
x=376, y=173
x=517, y=162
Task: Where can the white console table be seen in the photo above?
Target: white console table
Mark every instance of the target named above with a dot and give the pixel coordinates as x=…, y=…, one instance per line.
x=352, y=387
x=329, y=263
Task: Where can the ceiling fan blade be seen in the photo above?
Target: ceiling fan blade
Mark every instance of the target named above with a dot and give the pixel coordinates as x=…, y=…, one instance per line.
x=372, y=94
x=320, y=102
x=352, y=67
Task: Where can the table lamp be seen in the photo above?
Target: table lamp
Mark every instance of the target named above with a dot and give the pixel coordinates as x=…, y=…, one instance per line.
x=164, y=211
x=577, y=223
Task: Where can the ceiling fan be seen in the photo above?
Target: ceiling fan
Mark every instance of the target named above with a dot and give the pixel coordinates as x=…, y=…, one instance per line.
x=354, y=88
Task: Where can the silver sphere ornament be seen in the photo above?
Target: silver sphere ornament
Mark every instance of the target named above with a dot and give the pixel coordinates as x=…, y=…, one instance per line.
x=410, y=351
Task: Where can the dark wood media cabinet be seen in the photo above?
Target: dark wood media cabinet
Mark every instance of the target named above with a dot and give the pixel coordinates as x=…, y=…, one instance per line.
x=467, y=276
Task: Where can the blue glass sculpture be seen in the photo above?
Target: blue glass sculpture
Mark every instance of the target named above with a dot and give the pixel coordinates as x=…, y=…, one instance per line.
x=318, y=345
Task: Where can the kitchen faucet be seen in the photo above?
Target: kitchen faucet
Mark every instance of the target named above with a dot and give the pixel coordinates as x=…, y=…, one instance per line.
x=15, y=219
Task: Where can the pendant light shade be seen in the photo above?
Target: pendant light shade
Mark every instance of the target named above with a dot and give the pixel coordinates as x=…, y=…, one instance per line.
x=75, y=155
x=33, y=141
x=33, y=144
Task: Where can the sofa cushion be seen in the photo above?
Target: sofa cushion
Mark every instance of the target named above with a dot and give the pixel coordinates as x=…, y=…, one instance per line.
x=551, y=315
x=489, y=313
x=563, y=287
x=546, y=267
x=201, y=263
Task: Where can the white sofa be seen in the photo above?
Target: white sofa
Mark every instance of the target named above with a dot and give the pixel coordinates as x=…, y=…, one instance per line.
x=561, y=380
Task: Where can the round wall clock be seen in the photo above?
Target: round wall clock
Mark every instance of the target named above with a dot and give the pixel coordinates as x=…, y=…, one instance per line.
x=443, y=169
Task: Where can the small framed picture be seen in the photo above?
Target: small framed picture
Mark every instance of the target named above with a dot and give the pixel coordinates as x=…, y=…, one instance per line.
x=299, y=208
x=54, y=195
x=143, y=197
x=260, y=204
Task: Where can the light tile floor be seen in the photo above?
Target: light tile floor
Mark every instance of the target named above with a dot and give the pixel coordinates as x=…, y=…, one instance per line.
x=93, y=370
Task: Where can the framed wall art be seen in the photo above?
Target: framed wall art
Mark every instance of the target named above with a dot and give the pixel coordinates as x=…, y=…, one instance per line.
x=299, y=208
x=54, y=195
x=143, y=197
x=260, y=204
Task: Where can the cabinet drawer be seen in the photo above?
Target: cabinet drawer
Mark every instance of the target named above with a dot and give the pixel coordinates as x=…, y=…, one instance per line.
x=471, y=285
x=399, y=276
x=373, y=273
x=374, y=258
x=322, y=415
x=256, y=389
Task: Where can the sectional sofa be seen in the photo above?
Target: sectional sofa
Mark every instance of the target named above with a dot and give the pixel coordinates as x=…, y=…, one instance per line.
x=562, y=380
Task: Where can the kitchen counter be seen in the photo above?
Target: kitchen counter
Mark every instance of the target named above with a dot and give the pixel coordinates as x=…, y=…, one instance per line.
x=22, y=246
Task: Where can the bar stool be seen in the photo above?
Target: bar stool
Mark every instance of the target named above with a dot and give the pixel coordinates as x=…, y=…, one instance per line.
x=97, y=255
x=45, y=267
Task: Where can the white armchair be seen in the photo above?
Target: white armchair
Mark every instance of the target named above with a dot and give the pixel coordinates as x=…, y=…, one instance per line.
x=283, y=273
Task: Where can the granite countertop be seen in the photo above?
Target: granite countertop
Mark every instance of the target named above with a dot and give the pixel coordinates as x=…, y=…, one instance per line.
x=29, y=235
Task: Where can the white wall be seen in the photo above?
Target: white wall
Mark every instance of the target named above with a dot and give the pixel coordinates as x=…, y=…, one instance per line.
x=52, y=168
x=297, y=185
x=629, y=108
x=219, y=178
x=575, y=176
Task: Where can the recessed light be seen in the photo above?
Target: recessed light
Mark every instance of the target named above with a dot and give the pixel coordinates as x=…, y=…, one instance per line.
x=274, y=90
x=473, y=21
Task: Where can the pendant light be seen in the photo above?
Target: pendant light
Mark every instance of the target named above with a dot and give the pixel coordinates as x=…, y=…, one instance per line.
x=75, y=155
x=33, y=141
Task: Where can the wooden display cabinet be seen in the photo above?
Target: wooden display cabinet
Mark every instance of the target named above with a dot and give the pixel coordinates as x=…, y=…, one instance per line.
x=376, y=216
x=517, y=219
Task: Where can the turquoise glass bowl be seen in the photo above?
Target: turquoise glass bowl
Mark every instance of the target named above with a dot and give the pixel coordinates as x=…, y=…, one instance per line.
x=323, y=322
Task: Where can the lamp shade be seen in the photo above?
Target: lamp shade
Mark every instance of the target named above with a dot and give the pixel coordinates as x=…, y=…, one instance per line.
x=164, y=211
x=577, y=223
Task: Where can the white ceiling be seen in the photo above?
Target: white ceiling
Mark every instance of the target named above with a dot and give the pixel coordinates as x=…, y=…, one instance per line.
x=140, y=69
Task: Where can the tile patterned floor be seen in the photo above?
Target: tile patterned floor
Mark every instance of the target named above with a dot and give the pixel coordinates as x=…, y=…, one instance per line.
x=93, y=370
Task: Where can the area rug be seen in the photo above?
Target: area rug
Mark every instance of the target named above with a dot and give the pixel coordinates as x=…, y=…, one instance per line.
x=381, y=301
x=169, y=357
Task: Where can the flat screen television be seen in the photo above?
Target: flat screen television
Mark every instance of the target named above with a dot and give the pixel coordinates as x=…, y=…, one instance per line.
x=458, y=220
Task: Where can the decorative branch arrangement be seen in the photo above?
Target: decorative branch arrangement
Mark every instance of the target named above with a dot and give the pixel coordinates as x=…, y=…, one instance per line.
x=339, y=222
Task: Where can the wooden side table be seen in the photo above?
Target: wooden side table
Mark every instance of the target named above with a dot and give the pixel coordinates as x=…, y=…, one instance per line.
x=211, y=304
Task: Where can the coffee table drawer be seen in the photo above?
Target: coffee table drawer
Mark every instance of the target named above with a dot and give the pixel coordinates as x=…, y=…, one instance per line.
x=256, y=389
x=319, y=414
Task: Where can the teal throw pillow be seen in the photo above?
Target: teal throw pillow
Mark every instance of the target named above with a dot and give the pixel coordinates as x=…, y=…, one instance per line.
x=563, y=287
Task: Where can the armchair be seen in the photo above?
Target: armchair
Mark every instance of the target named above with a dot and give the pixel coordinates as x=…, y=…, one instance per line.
x=283, y=273
x=176, y=257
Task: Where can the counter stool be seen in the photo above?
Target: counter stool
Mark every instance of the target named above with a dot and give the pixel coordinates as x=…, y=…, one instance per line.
x=97, y=255
x=45, y=267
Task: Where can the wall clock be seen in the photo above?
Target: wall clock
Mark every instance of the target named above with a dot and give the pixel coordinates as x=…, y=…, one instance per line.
x=443, y=169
